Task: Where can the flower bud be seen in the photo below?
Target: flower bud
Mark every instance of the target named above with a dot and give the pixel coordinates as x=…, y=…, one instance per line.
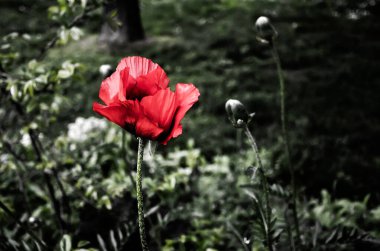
x=265, y=30
x=237, y=113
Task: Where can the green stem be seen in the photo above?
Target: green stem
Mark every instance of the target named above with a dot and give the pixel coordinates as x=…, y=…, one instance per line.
x=264, y=183
x=22, y=225
x=285, y=137
x=140, y=205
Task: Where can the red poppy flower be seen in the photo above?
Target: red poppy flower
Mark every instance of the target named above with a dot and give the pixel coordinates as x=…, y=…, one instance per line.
x=138, y=99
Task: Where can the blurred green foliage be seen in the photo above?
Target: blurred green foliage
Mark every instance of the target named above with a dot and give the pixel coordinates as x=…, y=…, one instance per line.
x=68, y=175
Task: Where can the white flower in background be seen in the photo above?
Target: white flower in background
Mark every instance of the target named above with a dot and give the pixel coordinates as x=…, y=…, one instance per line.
x=4, y=158
x=246, y=240
x=82, y=128
x=25, y=140
x=105, y=69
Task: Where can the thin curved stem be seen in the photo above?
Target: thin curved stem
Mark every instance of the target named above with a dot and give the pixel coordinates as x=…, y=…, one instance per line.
x=285, y=136
x=140, y=200
x=264, y=181
x=258, y=158
x=254, y=146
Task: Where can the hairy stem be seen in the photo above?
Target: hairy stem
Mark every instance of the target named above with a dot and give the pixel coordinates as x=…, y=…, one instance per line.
x=264, y=184
x=285, y=137
x=140, y=205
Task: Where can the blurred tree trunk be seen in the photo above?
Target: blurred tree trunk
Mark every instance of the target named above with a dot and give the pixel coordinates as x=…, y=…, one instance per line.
x=133, y=21
x=128, y=13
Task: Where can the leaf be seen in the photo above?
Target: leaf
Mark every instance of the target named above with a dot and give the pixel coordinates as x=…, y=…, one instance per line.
x=5, y=46
x=119, y=234
x=113, y=21
x=64, y=36
x=65, y=243
x=66, y=71
x=251, y=194
x=279, y=191
x=82, y=244
x=83, y=3
x=43, y=79
x=38, y=246
x=76, y=33
x=53, y=10
x=101, y=242
x=61, y=2
x=113, y=240
x=32, y=64
x=29, y=87
x=38, y=191
x=105, y=200
x=26, y=246
x=152, y=210
x=71, y=2
x=14, y=91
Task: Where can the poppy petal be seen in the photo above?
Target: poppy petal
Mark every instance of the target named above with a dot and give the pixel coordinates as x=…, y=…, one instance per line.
x=146, y=129
x=138, y=99
x=160, y=108
x=151, y=83
x=124, y=84
x=110, y=88
x=177, y=131
x=133, y=113
x=115, y=113
x=138, y=123
x=139, y=66
x=186, y=96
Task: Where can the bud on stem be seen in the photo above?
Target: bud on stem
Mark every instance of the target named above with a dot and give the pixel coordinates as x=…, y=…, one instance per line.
x=237, y=113
x=265, y=30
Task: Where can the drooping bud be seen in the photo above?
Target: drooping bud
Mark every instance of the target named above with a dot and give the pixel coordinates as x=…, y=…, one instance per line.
x=237, y=113
x=265, y=30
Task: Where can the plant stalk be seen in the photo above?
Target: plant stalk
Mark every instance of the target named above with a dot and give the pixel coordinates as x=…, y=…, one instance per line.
x=140, y=205
x=286, y=138
x=264, y=184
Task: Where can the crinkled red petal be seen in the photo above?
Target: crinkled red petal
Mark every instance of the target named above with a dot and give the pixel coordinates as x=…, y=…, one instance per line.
x=114, y=113
x=186, y=96
x=110, y=88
